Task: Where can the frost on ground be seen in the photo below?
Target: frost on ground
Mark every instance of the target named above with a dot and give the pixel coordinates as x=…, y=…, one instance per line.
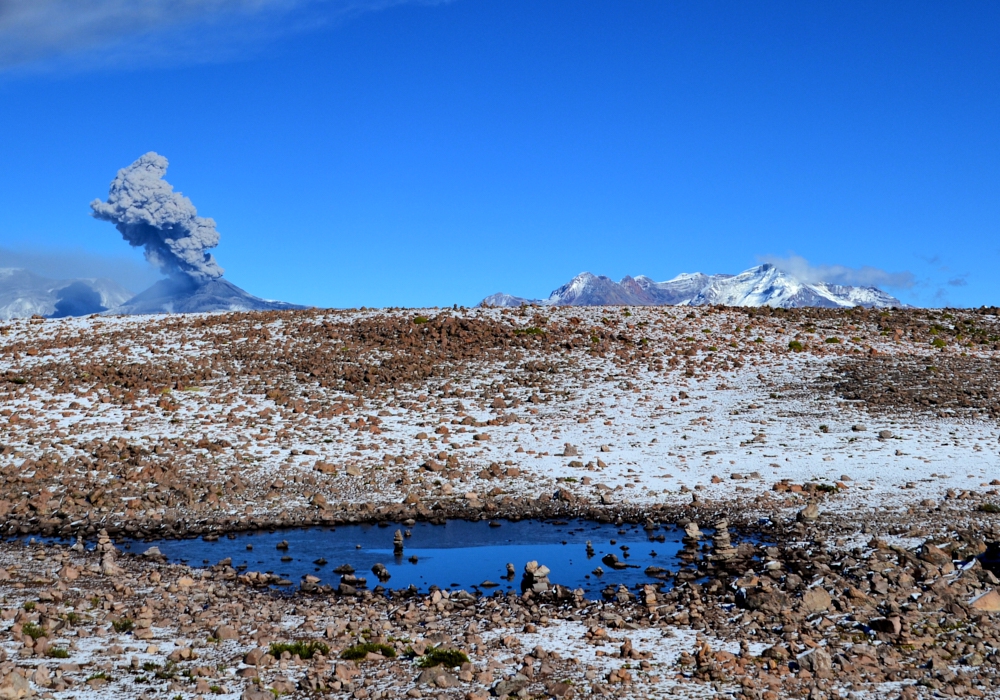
x=859, y=446
x=121, y=419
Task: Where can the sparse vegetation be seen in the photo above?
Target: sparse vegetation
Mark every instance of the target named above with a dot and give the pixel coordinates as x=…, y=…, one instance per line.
x=451, y=658
x=301, y=649
x=32, y=630
x=123, y=625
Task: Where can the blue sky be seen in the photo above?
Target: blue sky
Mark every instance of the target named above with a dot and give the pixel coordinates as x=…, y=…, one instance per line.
x=394, y=153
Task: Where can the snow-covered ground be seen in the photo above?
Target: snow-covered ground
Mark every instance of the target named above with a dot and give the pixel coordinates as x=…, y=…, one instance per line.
x=726, y=423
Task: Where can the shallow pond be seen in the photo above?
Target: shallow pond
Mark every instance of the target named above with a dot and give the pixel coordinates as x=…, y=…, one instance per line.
x=458, y=554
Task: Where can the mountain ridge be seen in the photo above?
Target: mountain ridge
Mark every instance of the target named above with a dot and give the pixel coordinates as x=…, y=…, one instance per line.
x=24, y=293
x=764, y=285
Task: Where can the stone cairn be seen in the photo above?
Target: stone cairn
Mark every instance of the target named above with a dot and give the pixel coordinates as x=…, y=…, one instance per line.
x=109, y=555
x=722, y=547
x=692, y=536
x=397, y=543
x=536, y=578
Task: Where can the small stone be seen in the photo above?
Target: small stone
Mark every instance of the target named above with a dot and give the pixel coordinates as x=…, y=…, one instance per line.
x=808, y=514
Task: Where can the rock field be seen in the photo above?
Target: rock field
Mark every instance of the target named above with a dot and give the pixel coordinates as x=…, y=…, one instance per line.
x=859, y=449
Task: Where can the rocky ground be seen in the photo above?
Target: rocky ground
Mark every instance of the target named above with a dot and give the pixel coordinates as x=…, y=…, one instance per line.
x=859, y=446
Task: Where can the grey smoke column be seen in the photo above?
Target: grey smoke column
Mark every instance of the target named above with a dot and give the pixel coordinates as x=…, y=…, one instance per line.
x=148, y=213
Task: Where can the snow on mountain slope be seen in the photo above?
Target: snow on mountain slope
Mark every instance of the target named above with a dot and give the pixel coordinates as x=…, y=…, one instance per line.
x=764, y=285
x=24, y=294
x=501, y=299
x=674, y=291
x=592, y=290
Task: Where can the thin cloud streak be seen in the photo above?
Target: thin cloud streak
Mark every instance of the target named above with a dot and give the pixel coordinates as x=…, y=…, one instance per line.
x=132, y=274
x=865, y=276
x=84, y=34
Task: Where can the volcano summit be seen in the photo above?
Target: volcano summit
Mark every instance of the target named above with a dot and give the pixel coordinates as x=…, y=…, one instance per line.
x=149, y=214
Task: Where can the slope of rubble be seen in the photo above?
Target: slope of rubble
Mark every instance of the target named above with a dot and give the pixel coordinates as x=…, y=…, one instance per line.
x=859, y=447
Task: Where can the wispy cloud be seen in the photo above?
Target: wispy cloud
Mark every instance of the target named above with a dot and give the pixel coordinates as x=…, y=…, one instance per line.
x=132, y=274
x=81, y=34
x=865, y=276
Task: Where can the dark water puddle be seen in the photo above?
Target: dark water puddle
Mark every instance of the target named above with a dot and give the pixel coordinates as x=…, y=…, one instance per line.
x=459, y=554
x=990, y=559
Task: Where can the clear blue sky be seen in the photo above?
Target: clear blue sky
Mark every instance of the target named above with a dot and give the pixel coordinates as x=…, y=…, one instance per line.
x=401, y=153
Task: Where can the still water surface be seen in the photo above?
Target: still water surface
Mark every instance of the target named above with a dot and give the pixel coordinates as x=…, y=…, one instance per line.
x=459, y=554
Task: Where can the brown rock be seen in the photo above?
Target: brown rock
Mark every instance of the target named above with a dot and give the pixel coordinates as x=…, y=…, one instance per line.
x=887, y=625
x=818, y=662
x=224, y=632
x=987, y=602
x=15, y=686
x=934, y=555
x=808, y=514
x=256, y=694
x=816, y=600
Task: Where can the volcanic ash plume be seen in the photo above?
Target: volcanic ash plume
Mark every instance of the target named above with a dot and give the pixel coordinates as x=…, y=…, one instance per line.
x=148, y=213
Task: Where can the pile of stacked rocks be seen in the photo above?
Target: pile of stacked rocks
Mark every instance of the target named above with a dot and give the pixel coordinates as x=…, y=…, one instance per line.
x=109, y=555
x=536, y=578
x=692, y=536
x=722, y=547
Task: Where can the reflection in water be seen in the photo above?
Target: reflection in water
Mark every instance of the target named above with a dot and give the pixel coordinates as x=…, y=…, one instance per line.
x=459, y=554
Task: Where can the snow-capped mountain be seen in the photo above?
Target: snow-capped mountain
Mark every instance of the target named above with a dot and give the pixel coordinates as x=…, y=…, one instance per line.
x=24, y=294
x=184, y=295
x=501, y=299
x=672, y=292
x=764, y=285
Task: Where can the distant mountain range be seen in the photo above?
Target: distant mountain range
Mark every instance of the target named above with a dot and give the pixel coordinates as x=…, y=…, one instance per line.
x=23, y=294
x=764, y=285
